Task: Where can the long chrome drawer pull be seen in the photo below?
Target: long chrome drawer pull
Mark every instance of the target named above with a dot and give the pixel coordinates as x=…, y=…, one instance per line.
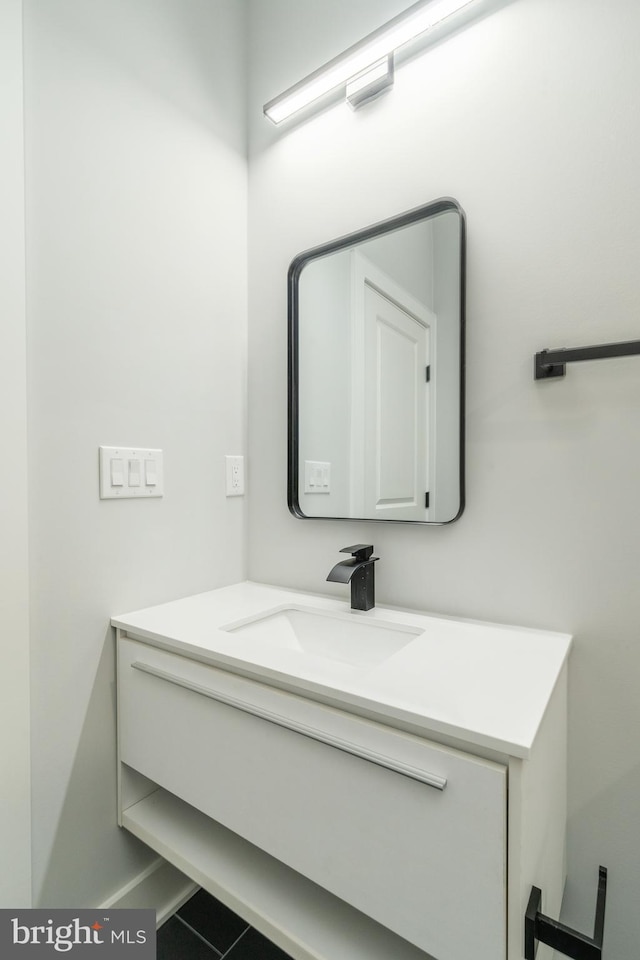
x=356, y=750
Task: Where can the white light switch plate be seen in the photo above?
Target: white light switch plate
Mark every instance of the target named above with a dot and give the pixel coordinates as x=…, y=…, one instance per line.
x=317, y=476
x=136, y=472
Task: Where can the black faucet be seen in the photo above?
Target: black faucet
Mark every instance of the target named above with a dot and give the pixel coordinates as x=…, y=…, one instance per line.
x=358, y=570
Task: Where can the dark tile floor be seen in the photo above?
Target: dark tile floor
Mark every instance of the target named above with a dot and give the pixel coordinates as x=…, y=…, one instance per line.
x=204, y=929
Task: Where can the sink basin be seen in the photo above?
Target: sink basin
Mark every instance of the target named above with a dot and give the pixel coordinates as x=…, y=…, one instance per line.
x=345, y=638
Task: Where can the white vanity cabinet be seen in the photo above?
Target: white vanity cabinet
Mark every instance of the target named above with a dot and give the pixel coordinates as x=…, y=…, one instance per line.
x=339, y=832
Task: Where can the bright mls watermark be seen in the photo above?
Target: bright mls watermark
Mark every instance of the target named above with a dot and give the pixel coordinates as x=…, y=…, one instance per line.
x=78, y=934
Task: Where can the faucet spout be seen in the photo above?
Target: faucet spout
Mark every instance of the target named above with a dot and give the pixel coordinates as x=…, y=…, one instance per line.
x=359, y=572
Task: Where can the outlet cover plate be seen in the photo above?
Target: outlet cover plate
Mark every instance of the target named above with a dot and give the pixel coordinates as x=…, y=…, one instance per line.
x=234, y=466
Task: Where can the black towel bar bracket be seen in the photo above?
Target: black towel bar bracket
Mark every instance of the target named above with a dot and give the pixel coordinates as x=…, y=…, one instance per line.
x=561, y=938
x=552, y=363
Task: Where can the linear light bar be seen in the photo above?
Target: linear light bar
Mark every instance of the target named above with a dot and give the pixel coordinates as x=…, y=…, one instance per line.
x=419, y=18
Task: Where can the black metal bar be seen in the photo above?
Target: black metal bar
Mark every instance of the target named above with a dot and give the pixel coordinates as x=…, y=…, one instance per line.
x=601, y=902
x=552, y=363
x=533, y=908
x=557, y=935
x=569, y=942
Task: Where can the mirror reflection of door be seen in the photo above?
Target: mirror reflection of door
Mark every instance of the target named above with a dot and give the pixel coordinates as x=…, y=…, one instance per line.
x=391, y=412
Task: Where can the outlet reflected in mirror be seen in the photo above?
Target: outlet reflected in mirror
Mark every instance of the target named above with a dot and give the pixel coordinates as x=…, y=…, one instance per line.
x=376, y=372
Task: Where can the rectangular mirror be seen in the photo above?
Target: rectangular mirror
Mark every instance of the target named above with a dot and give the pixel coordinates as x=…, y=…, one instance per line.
x=376, y=371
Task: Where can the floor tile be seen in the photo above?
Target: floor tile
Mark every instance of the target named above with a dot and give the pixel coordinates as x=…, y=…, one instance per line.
x=213, y=921
x=253, y=946
x=176, y=942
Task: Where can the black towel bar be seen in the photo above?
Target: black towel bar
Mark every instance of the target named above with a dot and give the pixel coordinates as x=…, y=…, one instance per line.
x=560, y=937
x=552, y=363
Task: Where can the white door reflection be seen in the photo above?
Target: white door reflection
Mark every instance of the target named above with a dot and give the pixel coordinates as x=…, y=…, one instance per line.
x=390, y=398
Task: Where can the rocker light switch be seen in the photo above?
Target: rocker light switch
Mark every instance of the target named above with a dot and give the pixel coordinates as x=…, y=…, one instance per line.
x=150, y=473
x=117, y=472
x=134, y=473
x=130, y=472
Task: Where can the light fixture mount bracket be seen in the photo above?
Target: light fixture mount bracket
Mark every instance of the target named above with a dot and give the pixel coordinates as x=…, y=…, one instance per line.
x=370, y=83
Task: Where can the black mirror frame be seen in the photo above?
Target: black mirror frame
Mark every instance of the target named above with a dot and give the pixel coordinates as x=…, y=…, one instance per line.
x=432, y=209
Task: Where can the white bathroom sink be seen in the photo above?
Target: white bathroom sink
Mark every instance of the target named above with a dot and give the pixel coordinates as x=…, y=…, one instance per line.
x=481, y=682
x=347, y=638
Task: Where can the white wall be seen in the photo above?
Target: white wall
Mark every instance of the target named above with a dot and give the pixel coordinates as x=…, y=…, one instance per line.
x=529, y=119
x=407, y=257
x=15, y=882
x=136, y=269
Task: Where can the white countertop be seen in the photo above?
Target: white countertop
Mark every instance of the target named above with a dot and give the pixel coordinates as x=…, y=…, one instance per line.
x=483, y=683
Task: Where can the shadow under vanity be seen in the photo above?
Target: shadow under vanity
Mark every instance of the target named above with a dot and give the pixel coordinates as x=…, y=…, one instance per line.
x=401, y=805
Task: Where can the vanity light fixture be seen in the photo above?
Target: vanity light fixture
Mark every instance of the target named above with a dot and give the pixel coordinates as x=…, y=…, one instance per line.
x=365, y=69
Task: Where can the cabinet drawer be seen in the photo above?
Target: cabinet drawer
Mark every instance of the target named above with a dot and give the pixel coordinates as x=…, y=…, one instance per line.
x=410, y=833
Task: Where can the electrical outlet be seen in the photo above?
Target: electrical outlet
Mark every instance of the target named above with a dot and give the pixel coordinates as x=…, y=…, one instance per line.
x=235, y=476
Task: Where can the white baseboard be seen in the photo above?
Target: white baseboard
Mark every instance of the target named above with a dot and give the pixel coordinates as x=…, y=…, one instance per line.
x=160, y=887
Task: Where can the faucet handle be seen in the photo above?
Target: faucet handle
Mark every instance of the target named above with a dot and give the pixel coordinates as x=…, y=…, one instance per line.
x=361, y=551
